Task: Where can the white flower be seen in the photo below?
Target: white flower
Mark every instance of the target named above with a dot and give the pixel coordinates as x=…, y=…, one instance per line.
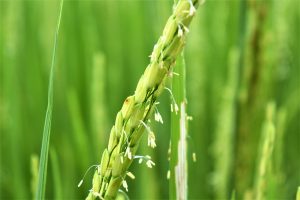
x=128, y=153
x=180, y=32
x=140, y=160
x=151, y=136
x=80, y=183
x=174, y=106
x=186, y=29
x=130, y=175
x=158, y=117
x=124, y=183
x=192, y=10
x=150, y=163
x=151, y=139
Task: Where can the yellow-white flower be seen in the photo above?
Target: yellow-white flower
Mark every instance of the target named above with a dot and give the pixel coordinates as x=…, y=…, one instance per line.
x=151, y=139
x=124, y=183
x=150, y=163
x=128, y=153
x=158, y=117
x=130, y=175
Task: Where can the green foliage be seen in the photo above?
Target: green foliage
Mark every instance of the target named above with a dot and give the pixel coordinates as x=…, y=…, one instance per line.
x=247, y=49
x=43, y=166
x=178, y=143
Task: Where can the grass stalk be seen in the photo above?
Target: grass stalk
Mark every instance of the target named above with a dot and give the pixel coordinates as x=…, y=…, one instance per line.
x=40, y=194
x=132, y=119
x=265, y=154
x=223, y=145
x=58, y=194
x=178, y=159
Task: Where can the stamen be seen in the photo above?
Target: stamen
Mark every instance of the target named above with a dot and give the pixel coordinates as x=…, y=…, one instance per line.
x=128, y=153
x=130, y=175
x=180, y=32
x=157, y=116
x=176, y=108
x=150, y=163
x=151, y=140
x=124, y=183
x=192, y=10
x=81, y=181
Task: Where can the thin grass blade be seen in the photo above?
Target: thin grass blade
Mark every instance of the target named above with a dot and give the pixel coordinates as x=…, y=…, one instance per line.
x=178, y=162
x=40, y=194
x=58, y=194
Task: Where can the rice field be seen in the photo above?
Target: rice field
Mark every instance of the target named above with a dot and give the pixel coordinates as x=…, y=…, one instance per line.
x=238, y=79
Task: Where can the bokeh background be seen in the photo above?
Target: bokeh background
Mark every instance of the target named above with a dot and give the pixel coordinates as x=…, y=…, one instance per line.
x=242, y=57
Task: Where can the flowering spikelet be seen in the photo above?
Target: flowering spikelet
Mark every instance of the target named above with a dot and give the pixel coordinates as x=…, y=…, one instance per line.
x=131, y=120
x=151, y=139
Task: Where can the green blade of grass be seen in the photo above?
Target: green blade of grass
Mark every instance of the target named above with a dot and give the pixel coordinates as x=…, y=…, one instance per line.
x=265, y=154
x=40, y=193
x=178, y=162
x=223, y=144
x=58, y=193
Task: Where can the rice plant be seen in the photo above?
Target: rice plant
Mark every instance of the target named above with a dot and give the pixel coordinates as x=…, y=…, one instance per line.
x=239, y=83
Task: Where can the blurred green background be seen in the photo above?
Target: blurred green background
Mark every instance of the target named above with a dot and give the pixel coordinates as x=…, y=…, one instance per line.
x=241, y=57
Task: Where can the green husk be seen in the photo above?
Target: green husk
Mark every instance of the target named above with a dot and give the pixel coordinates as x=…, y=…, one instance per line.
x=136, y=110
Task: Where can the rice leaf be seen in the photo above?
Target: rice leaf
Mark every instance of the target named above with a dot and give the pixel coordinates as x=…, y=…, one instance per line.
x=58, y=194
x=178, y=162
x=40, y=194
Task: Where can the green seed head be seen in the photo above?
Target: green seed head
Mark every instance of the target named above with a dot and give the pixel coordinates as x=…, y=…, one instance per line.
x=154, y=75
x=127, y=107
x=104, y=162
x=161, y=87
x=141, y=91
x=113, y=187
x=96, y=181
x=135, y=137
x=170, y=30
x=119, y=124
x=128, y=128
x=113, y=141
x=137, y=116
x=117, y=166
x=182, y=6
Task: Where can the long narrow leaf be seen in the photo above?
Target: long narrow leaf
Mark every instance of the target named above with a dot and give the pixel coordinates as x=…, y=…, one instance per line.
x=178, y=162
x=40, y=194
